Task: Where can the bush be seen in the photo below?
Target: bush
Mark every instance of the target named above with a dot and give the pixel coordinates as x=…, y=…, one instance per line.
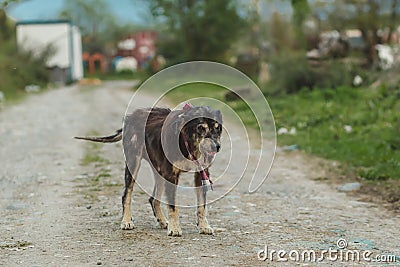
x=17, y=68
x=292, y=71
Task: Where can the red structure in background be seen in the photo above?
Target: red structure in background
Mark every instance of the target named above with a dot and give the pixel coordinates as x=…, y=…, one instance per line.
x=140, y=45
x=95, y=61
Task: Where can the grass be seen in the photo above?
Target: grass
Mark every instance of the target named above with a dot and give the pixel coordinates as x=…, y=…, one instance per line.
x=358, y=127
x=92, y=153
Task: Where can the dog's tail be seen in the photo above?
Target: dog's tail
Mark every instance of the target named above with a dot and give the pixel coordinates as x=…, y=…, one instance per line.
x=104, y=139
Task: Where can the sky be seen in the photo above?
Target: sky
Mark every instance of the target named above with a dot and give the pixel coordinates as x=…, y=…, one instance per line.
x=126, y=11
x=131, y=11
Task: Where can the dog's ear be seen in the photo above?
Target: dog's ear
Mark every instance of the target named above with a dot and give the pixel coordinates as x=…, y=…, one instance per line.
x=218, y=116
x=179, y=123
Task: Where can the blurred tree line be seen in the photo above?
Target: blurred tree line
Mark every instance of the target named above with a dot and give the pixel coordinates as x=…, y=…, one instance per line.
x=197, y=29
x=100, y=29
x=187, y=29
x=240, y=30
x=291, y=38
x=236, y=30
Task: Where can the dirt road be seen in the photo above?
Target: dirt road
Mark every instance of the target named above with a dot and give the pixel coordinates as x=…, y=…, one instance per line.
x=54, y=211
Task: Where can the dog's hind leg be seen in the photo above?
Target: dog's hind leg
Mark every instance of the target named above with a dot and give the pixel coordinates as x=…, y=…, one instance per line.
x=202, y=223
x=127, y=223
x=174, y=228
x=155, y=200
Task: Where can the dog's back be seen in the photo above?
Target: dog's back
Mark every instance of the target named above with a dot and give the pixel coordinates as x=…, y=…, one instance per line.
x=151, y=118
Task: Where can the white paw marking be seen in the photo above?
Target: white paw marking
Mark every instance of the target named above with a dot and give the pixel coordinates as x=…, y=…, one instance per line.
x=174, y=231
x=206, y=230
x=127, y=225
x=163, y=224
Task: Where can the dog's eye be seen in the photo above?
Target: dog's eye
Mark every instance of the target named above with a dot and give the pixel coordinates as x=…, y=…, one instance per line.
x=217, y=127
x=201, y=129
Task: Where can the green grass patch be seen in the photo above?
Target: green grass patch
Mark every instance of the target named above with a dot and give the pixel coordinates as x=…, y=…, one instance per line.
x=92, y=153
x=359, y=127
x=90, y=158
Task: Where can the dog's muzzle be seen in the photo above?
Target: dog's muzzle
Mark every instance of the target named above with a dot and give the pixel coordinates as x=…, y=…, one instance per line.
x=208, y=149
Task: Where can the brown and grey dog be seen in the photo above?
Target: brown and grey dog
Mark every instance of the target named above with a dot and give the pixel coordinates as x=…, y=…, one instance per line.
x=172, y=142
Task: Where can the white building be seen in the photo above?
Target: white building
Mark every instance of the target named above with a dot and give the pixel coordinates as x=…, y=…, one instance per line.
x=64, y=41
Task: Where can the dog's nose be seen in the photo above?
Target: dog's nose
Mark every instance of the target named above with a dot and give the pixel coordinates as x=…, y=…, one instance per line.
x=218, y=146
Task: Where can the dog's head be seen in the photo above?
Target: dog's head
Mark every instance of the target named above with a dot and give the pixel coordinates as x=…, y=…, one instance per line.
x=202, y=128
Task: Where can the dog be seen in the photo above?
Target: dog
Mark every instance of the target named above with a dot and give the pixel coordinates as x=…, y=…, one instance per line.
x=172, y=142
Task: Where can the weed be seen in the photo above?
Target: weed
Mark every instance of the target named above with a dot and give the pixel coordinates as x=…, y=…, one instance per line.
x=91, y=154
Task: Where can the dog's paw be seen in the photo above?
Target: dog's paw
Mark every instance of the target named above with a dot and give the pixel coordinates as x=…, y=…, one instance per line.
x=174, y=231
x=163, y=224
x=127, y=225
x=206, y=230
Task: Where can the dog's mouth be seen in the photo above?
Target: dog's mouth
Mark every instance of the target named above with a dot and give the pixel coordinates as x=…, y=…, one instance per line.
x=208, y=151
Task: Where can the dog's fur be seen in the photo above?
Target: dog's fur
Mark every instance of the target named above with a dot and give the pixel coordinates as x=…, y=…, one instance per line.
x=150, y=134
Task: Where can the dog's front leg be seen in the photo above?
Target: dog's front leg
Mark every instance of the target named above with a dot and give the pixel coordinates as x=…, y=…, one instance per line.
x=202, y=223
x=174, y=228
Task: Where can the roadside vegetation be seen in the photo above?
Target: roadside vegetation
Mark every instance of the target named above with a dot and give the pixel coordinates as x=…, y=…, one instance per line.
x=318, y=103
x=17, y=68
x=356, y=126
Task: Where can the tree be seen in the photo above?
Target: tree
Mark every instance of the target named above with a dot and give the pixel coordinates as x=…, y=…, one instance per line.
x=94, y=21
x=366, y=15
x=393, y=17
x=6, y=30
x=301, y=10
x=5, y=3
x=90, y=15
x=280, y=33
x=198, y=29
